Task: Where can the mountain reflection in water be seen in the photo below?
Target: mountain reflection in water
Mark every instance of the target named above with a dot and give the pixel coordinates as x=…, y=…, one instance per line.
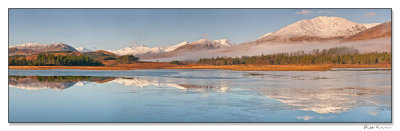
x=52, y=82
x=329, y=100
x=200, y=96
x=136, y=82
x=63, y=82
x=322, y=100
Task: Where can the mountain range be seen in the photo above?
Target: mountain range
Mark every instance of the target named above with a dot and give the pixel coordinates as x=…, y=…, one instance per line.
x=143, y=50
x=322, y=30
x=153, y=52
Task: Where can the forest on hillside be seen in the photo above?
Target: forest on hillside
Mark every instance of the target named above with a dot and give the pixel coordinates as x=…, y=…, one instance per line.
x=49, y=59
x=337, y=55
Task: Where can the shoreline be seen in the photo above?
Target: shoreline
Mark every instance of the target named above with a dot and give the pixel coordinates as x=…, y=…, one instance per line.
x=138, y=66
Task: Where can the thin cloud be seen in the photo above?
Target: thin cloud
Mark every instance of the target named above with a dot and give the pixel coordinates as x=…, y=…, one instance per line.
x=325, y=12
x=303, y=12
x=306, y=118
x=370, y=14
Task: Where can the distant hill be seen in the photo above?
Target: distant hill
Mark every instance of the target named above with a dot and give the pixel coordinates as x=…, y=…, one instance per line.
x=101, y=55
x=16, y=51
x=32, y=48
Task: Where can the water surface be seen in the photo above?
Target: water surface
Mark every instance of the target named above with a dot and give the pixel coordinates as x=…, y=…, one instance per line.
x=199, y=96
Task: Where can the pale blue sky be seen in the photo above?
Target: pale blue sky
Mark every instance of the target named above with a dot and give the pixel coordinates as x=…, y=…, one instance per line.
x=112, y=29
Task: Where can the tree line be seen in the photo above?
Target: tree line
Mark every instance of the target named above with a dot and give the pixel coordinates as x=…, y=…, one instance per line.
x=180, y=62
x=337, y=55
x=126, y=59
x=49, y=59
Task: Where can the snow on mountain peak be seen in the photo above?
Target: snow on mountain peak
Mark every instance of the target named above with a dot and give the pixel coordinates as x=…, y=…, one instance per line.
x=213, y=43
x=28, y=45
x=319, y=27
x=370, y=25
x=82, y=49
x=141, y=50
x=265, y=35
x=224, y=42
x=136, y=50
x=201, y=42
x=328, y=18
x=171, y=48
x=44, y=47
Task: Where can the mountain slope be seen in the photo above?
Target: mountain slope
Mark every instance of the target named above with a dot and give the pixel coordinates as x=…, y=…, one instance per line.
x=16, y=51
x=101, y=55
x=157, y=52
x=208, y=44
x=198, y=46
x=370, y=25
x=382, y=30
x=171, y=48
x=318, y=28
x=140, y=50
x=31, y=48
x=146, y=51
x=265, y=35
x=45, y=47
x=82, y=49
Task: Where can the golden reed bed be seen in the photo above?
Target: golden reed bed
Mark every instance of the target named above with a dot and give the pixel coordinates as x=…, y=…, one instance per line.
x=162, y=65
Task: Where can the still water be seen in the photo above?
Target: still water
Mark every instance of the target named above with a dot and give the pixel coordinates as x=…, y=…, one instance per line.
x=199, y=96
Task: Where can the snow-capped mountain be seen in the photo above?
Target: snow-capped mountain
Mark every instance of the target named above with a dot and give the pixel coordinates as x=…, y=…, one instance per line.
x=184, y=47
x=198, y=46
x=45, y=47
x=142, y=50
x=153, y=51
x=32, y=48
x=321, y=27
x=204, y=44
x=137, y=50
x=213, y=43
x=82, y=49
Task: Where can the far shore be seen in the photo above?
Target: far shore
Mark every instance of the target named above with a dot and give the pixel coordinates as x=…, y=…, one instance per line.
x=164, y=65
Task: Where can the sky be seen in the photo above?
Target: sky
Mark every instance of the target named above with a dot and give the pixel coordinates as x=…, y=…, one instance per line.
x=112, y=29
